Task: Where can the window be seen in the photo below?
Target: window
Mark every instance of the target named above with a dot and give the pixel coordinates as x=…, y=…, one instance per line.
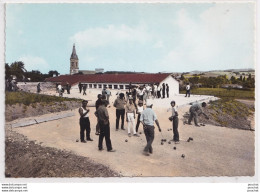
x=121, y=86
x=115, y=86
x=126, y=86
x=99, y=85
x=110, y=86
x=105, y=85
x=89, y=85
x=95, y=86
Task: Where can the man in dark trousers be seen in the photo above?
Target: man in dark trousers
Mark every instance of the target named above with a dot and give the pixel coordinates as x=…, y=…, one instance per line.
x=148, y=117
x=175, y=121
x=195, y=111
x=120, y=110
x=80, y=87
x=97, y=104
x=68, y=87
x=84, y=89
x=167, y=90
x=103, y=121
x=84, y=122
x=163, y=90
x=187, y=90
x=38, y=88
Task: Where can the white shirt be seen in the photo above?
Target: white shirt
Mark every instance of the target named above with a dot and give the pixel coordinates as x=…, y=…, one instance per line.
x=59, y=87
x=140, y=109
x=84, y=111
x=188, y=87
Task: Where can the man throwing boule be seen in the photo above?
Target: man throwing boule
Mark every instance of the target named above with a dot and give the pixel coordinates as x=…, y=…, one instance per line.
x=195, y=111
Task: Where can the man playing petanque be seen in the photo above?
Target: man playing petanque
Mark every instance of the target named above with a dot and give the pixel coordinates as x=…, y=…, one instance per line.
x=148, y=117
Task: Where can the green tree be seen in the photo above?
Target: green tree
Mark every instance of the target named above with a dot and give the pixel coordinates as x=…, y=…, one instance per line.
x=7, y=71
x=51, y=73
x=17, y=68
x=182, y=77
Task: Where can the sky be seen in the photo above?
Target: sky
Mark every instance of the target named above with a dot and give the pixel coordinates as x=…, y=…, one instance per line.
x=140, y=37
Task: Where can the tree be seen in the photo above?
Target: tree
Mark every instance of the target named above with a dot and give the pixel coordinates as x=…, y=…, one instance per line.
x=17, y=68
x=7, y=71
x=182, y=77
x=51, y=73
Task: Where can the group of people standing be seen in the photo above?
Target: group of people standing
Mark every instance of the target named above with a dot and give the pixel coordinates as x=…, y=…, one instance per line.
x=82, y=87
x=148, y=91
x=61, y=89
x=11, y=85
x=124, y=110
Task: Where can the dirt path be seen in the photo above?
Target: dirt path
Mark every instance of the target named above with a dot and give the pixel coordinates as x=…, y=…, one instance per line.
x=215, y=151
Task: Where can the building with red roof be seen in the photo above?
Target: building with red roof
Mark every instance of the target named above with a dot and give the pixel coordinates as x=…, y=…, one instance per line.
x=117, y=81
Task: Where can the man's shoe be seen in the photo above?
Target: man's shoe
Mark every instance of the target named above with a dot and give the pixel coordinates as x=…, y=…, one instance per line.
x=100, y=149
x=123, y=128
x=189, y=124
x=197, y=125
x=112, y=150
x=89, y=139
x=146, y=153
x=136, y=135
x=83, y=141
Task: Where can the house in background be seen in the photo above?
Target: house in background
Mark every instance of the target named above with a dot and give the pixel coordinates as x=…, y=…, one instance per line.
x=117, y=81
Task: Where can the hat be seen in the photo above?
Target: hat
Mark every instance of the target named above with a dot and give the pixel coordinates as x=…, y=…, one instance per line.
x=121, y=94
x=149, y=103
x=140, y=102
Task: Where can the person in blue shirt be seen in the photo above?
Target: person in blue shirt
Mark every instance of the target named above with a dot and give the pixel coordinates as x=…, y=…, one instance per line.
x=148, y=117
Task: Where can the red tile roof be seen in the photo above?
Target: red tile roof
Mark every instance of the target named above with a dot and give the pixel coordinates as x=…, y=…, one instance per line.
x=137, y=78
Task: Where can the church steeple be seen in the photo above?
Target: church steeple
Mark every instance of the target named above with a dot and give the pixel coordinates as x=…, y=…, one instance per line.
x=74, y=54
x=74, y=61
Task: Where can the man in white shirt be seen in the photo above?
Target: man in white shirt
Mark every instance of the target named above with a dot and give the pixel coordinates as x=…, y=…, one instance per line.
x=84, y=122
x=187, y=90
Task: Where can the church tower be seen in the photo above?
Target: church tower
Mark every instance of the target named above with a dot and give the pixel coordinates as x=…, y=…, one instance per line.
x=74, y=61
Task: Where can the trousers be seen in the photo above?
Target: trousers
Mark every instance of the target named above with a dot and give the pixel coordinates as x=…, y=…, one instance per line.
x=104, y=132
x=193, y=114
x=175, y=123
x=131, y=123
x=138, y=122
x=120, y=113
x=149, y=135
x=84, y=126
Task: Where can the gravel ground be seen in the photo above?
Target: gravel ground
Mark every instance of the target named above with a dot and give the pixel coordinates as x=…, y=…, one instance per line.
x=27, y=159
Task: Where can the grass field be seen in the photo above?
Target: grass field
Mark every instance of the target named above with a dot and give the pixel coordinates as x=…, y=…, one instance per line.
x=224, y=93
x=29, y=98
